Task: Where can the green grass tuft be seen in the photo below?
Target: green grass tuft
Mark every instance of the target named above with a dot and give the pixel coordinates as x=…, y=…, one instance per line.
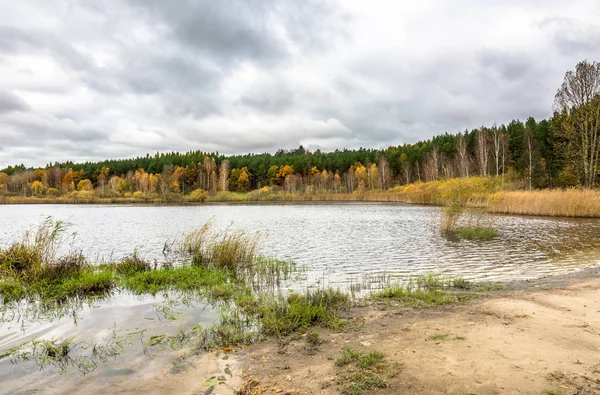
x=475, y=232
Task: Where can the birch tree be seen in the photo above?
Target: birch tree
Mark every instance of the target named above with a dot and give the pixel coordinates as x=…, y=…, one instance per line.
x=578, y=99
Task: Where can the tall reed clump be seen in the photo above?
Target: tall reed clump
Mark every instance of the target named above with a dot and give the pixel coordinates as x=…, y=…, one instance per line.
x=230, y=249
x=457, y=195
x=32, y=267
x=35, y=254
x=571, y=202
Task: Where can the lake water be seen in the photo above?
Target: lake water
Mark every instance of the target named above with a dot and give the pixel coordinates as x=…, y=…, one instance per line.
x=337, y=244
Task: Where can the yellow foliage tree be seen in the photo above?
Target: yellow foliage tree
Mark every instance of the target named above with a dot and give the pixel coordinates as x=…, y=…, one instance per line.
x=85, y=185
x=152, y=182
x=284, y=171
x=243, y=183
x=37, y=188
x=360, y=172
x=3, y=181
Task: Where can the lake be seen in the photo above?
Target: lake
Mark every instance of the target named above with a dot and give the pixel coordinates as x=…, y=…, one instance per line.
x=335, y=242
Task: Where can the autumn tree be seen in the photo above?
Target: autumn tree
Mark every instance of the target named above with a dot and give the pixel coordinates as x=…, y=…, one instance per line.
x=37, y=188
x=3, y=182
x=272, y=174
x=152, y=183
x=243, y=181
x=284, y=171
x=84, y=185
x=177, y=181
x=578, y=99
x=68, y=181
x=360, y=173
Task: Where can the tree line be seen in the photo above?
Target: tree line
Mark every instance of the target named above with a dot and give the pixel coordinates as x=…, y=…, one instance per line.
x=561, y=151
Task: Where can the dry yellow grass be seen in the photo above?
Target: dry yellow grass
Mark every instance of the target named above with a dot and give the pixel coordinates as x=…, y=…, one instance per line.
x=548, y=202
x=472, y=192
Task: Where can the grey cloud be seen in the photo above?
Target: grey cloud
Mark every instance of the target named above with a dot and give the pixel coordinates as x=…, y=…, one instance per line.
x=573, y=37
x=118, y=79
x=227, y=30
x=237, y=30
x=9, y=102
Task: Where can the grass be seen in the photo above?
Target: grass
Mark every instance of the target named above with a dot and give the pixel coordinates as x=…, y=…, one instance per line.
x=573, y=202
x=427, y=291
x=231, y=249
x=360, y=372
x=300, y=311
x=438, y=336
x=475, y=232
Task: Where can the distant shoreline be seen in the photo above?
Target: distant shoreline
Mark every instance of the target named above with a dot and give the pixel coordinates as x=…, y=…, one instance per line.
x=572, y=203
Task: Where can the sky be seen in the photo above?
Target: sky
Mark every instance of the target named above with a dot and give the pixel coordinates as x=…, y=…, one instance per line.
x=93, y=80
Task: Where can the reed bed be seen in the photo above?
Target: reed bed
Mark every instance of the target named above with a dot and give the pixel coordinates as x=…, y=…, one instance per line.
x=549, y=202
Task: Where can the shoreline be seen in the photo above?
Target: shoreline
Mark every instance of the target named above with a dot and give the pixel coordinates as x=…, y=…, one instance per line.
x=537, y=336
x=125, y=202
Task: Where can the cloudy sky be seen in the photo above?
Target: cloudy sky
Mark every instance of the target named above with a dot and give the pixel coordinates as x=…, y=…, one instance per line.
x=90, y=80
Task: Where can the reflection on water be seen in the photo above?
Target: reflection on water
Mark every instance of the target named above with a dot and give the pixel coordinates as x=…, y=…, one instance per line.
x=335, y=243
x=103, y=336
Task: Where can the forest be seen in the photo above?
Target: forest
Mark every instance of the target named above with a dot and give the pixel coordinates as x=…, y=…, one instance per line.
x=562, y=151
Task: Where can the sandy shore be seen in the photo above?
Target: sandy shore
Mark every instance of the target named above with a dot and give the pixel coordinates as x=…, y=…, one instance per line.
x=538, y=337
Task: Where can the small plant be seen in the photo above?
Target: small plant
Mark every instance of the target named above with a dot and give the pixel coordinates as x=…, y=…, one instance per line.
x=348, y=356
x=438, y=336
x=363, y=371
x=460, y=283
x=132, y=264
x=313, y=338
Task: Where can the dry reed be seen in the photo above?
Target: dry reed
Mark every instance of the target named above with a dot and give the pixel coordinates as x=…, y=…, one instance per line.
x=549, y=202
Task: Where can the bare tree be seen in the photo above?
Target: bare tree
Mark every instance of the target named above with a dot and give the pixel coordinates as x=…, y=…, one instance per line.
x=529, y=154
x=503, y=155
x=350, y=179
x=406, y=170
x=209, y=166
x=224, y=175
x=497, y=139
x=579, y=100
x=384, y=173
x=482, y=153
x=434, y=158
x=431, y=166
x=462, y=155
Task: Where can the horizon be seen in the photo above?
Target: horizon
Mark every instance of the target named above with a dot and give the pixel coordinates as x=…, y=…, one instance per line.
x=92, y=82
